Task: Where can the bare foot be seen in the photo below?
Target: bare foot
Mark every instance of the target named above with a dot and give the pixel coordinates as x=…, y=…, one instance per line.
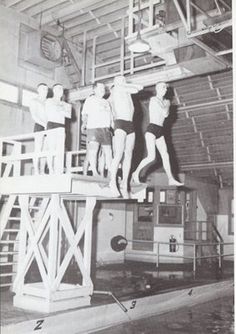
x=135, y=178
x=114, y=190
x=124, y=193
x=173, y=182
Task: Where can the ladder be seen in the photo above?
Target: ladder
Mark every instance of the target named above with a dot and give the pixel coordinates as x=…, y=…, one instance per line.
x=10, y=216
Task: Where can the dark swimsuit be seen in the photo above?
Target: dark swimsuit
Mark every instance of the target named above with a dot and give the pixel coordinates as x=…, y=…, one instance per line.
x=126, y=126
x=54, y=125
x=155, y=129
x=38, y=127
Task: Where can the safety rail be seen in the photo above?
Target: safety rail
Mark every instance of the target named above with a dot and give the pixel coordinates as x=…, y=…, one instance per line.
x=73, y=161
x=19, y=153
x=195, y=257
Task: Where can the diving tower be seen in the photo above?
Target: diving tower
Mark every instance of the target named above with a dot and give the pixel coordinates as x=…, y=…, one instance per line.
x=45, y=221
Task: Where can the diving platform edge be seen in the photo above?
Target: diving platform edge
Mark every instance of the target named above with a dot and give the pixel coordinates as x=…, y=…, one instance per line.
x=68, y=184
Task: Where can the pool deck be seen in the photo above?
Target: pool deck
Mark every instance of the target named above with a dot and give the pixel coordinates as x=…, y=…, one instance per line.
x=141, y=291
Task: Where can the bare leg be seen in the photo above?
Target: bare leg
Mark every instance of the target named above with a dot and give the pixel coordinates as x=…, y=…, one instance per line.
x=85, y=165
x=101, y=161
x=129, y=147
x=119, y=146
x=108, y=156
x=38, y=148
x=162, y=148
x=42, y=161
x=51, y=144
x=93, y=148
x=151, y=154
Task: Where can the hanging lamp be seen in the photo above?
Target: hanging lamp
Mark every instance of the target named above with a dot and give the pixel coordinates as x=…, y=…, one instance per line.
x=139, y=45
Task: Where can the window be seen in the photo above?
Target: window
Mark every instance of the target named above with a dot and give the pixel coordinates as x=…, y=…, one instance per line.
x=231, y=217
x=27, y=96
x=8, y=92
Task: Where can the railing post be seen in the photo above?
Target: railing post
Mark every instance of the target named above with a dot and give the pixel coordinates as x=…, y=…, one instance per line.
x=194, y=258
x=1, y=154
x=130, y=28
x=122, y=46
x=94, y=59
x=83, y=72
x=59, y=159
x=150, y=15
x=221, y=252
x=158, y=248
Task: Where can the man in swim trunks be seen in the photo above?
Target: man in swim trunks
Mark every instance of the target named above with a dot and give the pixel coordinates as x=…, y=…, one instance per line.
x=56, y=110
x=97, y=118
x=124, y=135
x=37, y=110
x=158, y=112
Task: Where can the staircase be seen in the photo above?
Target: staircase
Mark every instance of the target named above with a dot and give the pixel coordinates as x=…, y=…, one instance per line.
x=70, y=63
x=10, y=217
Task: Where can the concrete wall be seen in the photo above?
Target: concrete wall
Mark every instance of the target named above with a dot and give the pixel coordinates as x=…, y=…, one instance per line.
x=14, y=118
x=207, y=193
x=110, y=221
x=10, y=69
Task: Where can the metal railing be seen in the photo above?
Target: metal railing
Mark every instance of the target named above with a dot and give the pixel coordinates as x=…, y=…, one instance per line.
x=195, y=258
x=195, y=245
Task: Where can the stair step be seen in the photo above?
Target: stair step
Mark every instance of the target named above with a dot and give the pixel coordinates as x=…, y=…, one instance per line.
x=31, y=207
x=14, y=218
x=2, y=285
x=7, y=274
x=8, y=253
x=2, y=264
x=13, y=230
x=8, y=241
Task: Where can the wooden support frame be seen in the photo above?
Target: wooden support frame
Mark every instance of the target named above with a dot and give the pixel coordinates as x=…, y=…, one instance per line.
x=51, y=292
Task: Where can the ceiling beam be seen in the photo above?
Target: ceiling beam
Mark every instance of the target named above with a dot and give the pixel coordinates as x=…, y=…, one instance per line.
x=74, y=28
x=70, y=12
x=9, y=3
x=99, y=12
x=45, y=5
x=115, y=26
x=23, y=5
x=77, y=5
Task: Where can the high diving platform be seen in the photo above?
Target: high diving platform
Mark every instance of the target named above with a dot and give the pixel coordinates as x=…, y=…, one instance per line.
x=46, y=224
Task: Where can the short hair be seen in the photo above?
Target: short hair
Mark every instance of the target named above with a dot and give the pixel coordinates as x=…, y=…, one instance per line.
x=42, y=84
x=95, y=84
x=57, y=84
x=161, y=82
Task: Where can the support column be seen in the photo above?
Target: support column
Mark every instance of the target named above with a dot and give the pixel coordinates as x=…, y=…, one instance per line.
x=41, y=243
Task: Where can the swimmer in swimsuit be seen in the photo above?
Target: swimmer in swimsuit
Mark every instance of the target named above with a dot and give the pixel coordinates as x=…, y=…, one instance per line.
x=56, y=110
x=158, y=111
x=38, y=113
x=97, y=119
x=124, y=136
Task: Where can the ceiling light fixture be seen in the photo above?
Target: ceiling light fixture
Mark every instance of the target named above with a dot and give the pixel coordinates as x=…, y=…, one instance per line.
x=139, y=45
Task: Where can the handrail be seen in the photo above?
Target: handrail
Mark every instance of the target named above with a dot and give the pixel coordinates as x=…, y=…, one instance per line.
x=38, y=146
x=217, y=233
x=195, y=256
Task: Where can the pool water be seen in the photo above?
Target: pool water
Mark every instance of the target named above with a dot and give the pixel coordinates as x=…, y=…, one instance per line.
x=213, y=317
